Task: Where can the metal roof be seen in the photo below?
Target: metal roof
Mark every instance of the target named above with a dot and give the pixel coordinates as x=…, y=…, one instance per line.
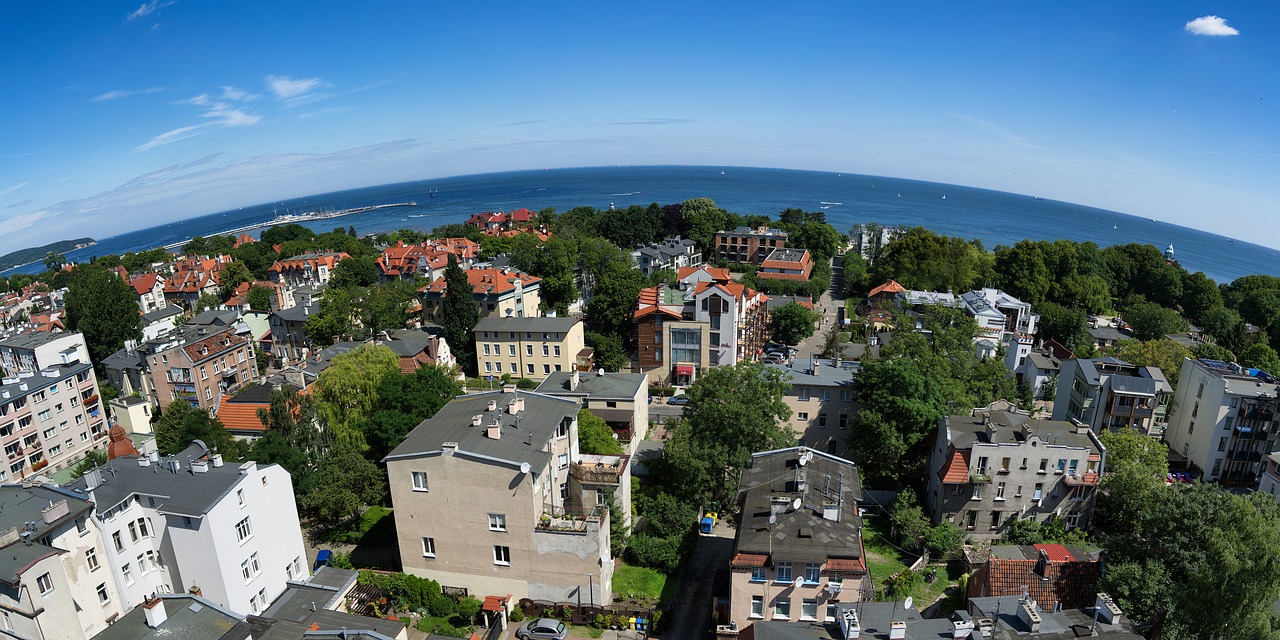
x=622, y=386
x=182, y=493
x=532, y=325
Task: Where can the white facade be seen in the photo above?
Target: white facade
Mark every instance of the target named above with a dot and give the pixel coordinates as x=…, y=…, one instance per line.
x=1225, y=424
x=31, y=352
x=239, y=549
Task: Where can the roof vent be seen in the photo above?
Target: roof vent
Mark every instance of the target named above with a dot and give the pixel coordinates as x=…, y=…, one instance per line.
x=477, y=419
x=200, y=466
x=849, y=627
x=1108, y=611
x=143, y=462
x=897, y=630
x=216, y=460
x=1028, y=615
x=493, y=405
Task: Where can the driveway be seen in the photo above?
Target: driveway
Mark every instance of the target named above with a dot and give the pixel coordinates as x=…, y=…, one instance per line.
x=689, y=617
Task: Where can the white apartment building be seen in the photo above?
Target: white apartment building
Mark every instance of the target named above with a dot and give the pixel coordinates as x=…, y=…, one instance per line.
x=174, y=523
x=30, y=352
x=1225, y=424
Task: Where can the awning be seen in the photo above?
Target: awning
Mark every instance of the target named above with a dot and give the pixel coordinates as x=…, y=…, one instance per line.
x=684, y=370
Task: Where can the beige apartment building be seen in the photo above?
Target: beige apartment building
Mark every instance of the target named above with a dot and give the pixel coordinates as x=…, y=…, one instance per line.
x=198, y=365
x=822, y=402
x=529, y=347
x=505, y=293
x=492, y=495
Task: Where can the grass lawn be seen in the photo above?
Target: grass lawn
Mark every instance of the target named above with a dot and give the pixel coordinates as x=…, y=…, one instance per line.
x=376, y=526
x=578, y=631
x=638, y=582
x=884, y=560
x=442, y=626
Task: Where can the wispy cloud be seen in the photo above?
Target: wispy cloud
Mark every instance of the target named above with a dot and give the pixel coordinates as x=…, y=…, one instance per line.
x=15, y=187
x=149, y=8
x=124, y=93
x=516, y=124
x=653, y=121
x=1210, y=26
x=219, y=114
x=21, y=203
x=287, y=88
x=233, y=93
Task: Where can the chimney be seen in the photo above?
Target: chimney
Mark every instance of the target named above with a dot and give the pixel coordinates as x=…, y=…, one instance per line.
x=493, y=405
x=153, y=608
x=509, y=388
x=200, y=466
x=513, y=406
x=573, y=379
x=143, y=461
x=92, y=479
x=247, y=468
x=849, y=628
x=216, y=460
x=493, y=431
x=1107, y=609
x=449, y=448
x=1028, y=615
x=154, y=456
x=477, y=419
x=961, y=629
x=195, y=591
x=897, y=630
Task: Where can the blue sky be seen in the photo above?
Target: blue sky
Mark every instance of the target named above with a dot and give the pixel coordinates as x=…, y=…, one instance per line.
x=121, y=115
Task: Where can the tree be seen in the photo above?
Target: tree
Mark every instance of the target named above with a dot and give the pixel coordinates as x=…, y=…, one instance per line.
x=944, y=540
x=595, y=437
x=615, y=297
x=1225, y=326
x=907, y=522
x=180, y=423
x=295, y=439
x=206, y=302
x=1260, y=355
x=347, y=391
x=92, y=459
x=345, y=483
x=259, y=298
x=833, y=342
x=53, y=260
x=233, y=276
x=384, y=307
x=459, y=315
x=791, y=323
x=1165, y=354
x=1199, y=295
x=701, y=219
x=1151, y=321
x=732, y=413
x=356, y=271
x=404, y=401
x=608, y=351
x=1070, y=327
x=102, y=307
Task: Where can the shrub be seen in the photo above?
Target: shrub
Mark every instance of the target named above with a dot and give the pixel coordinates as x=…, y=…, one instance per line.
x=526, y=384
x=517, y=615
x=468, y=609
x=944, y=540
x=662, y=554
x=442, y=606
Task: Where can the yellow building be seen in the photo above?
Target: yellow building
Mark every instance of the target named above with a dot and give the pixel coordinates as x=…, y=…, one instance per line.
x=530, y=347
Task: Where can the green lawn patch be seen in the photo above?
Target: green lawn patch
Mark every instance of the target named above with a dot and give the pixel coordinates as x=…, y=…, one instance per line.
x=443, y=627
x=884, y=560
x=376, y=526
x=638, y=582
x=577, y=631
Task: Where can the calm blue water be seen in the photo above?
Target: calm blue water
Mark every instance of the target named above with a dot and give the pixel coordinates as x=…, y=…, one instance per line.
x=990, y=216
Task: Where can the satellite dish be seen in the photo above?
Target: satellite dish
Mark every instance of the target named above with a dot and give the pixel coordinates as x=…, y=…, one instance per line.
x=525, y=467
x=910, y=601
x=800, y=581
x=795, y=504
x=803, y=460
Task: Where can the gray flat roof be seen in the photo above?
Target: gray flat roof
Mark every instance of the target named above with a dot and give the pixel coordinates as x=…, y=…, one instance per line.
x=161, y=314
x=542, y=324
x=189, y=618
x=622, y=386
x=298, y=313
x=967, y=431
x=39, y=381
x=32, y=339
x=182, y=493
x=520, y=441
x=1061, y=625
x=818, y=372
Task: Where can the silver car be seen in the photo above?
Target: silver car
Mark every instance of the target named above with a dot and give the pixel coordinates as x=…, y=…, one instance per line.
x=543, y=629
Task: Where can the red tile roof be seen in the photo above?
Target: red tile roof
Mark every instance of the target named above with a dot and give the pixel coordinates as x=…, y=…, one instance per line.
x=215, y=345
x=854, y=565
x=890, y=287
x=1073, y=582
x=494, y=603
x=120, y=445
x=1056, y=552
x=241, y=416
x=749, y=560
x=956, y=470
x=144, y=283
x=486, y=282
x=717, y=274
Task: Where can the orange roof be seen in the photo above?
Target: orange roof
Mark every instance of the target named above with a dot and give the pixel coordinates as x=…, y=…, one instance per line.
x=888, y=287
x=242, y=240
x=144, y=283
x=956, y=470
x=649, y=304
x=846, y=564
x=314, y=260
x=241, y=416
x=486, y=281
x=120, y=445
x=717, y=274
x=494, y=603
x=1056, y=552
x=215, y=345
x=749, y=560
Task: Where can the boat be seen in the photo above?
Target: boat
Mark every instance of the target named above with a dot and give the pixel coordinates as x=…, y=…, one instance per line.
x=944, y=196
x=899, y=195
x=1115, y=227
x=722, y=172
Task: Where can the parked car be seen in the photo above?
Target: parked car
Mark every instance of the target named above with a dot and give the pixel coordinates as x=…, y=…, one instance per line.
x=678, y=400
x=543, y=629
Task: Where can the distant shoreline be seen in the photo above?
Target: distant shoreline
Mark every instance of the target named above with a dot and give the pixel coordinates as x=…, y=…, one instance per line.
x=7, y=262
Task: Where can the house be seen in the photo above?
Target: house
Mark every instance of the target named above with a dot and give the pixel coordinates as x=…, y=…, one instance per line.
x=992, y=467
x=1225, y=422
x=32, y=351
x=491, y=494
x=1018, y=618
x=193, y=521
x=49, y=419
x=417, y=348
x=869, y=240
x=1037, y=370
x=160, y=321
x=885, y=293
x=672, y=254
x=690, y=277
x=798, y=548
x=131, y=413
x=185, y=286
x=504, y=293
x=198, y=364
x=620, y=399
x=1270, y=482
x=289, y=341
x=56, y=585
x=528, y=347
x=491, y=220
x=681, y=333
x=238, y=412
x=1002, y=320
x=427, y=260
x=1112, y=394
x=786, y=264
x=1106, y=337
x=311, y=268
x=822, y=402
x=745, y=245
x=1055, y=576
x=149, y=288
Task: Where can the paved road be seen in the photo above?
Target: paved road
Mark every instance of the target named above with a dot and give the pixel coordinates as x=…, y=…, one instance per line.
x=690, y=615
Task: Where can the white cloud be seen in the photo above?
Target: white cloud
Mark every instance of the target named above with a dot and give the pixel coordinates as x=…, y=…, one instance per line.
x=219, y=114
x=285, y=87
x=5, y=192
x=232, y=93
x=122, y=93
x=149, y=8
x=1210, y=26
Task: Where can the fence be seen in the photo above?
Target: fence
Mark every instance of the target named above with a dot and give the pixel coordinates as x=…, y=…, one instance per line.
x=584, y=614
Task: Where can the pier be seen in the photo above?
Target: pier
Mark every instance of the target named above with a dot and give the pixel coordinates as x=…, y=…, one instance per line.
x=289, y=218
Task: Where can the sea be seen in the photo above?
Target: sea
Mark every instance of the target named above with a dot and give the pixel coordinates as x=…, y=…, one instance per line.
x=992, y=217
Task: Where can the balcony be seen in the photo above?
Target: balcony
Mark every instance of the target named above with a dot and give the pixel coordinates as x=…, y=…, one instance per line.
x=1245, y=456
x=599, y=469
x=1086, y=480
x=572, y=521
x=980, y=477
x=1250, y=433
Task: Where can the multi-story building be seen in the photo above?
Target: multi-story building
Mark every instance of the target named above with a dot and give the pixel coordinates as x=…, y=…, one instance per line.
x=149, y=288
x=199, y=364
x=786, y=264
x=674, y=254
x=36, y=350
x=528, y=347
x=620, y=399
x=869, y=241
x=1225, y=424
x=993, y=467
x=681, y=333
x=505, y=293
x=1108, y=393
x=57, y=585
x=1270, y=482
x=417, y=348
x=1061, y=577
x=311, y=268
x=746, y=245
x=821, y=401
x=491, y=494
x=288, y=336
x=50, y=418
x=193, y=521
x=426, y=260
x=798, y=550
x=1024, y=619
x=160, y=321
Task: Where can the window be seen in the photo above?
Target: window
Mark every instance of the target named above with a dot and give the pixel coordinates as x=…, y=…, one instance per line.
x=295, y=569
x=1044, y=463
x=562, y=431
x=995, y=519
x=243, y=530
x=546, y=369
x=802, y=415
x=822, y=421
x=420, y=481
x=1004, y=465
x=973, y=519
x=240, y=496
x=497, y=522
x=977, y=492
x=124, y=571
x=529, y=368
x=1062, y=465
x=546, y=350
x=133, y=531
x=982, y=465
x=528, y=350
x=1222, y=444
x=208, y=393
x=563, y=460
x=115, y=537
x=244, y=571
x=45, y=583
x=784, y=572
x=1000, y=491
x=757, y=606
x=758, y=574
x=103, y=597
x=1073, y=466
x=486, y=349
x=428, y=547
x=557, y=350
x=1039, y=491
x=51, y=432
x=91, y=558
x=1019, y=492
x=844, y=421
x=488, y=367
x=803, y=393
x=44, y=415
x=809, y=609
x=511, y=349
x=811, y=570
x=782, y=608
x=502, y=555
x=846, y=395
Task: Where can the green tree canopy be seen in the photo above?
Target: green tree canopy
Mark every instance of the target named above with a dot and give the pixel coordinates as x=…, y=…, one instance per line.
x=347, y=391
x=1151, y=321
x=1165, y=354
x=609, y=352
x=1260, y=355
x=791, y=323
x=356, y=271
x=234, y=275
x=180, y=423
x=459, y=316
x=102, y=307
x=404, y=401
x=345, y=484
x=595, y=437
x=259, y=298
